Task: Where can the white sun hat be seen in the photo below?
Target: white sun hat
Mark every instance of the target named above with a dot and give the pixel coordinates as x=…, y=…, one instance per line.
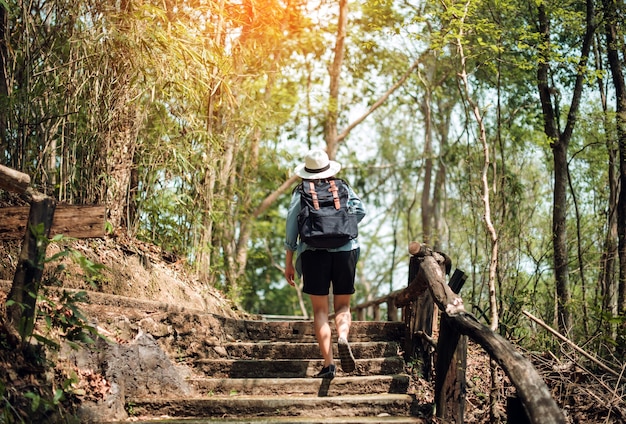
x=317, y=166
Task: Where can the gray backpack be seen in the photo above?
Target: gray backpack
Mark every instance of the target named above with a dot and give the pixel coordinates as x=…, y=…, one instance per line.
x=324, y=221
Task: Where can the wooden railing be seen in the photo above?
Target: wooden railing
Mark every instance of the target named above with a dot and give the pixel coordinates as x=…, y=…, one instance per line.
x=27, y=279
x=372, y=308
x=447, y=355
x=35, y=224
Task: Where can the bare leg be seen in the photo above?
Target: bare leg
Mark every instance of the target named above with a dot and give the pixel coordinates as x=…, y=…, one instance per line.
x=343, y=317
x=322, y=328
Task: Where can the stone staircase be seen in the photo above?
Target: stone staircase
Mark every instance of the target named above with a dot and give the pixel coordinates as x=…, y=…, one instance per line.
x=174, y=365
x=267, y=376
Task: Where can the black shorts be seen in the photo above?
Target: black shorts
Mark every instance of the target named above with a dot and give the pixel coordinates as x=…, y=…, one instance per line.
x=320, y=268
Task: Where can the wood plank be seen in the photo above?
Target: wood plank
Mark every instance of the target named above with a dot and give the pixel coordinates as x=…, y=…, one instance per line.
x=75, y=221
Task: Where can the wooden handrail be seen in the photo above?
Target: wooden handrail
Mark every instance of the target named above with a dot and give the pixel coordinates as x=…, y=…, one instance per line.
x=374, y=304
x=13, y=180
x=427, y=272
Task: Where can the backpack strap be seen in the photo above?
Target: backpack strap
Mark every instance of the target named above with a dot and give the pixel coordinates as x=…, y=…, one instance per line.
x=316, y=203
x=334, y=190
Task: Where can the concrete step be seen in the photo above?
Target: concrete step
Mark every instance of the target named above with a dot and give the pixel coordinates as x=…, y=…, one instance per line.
x=270, y=407
x=291, y=368
x=338, y=386
x=304, y=331
x=296, y=350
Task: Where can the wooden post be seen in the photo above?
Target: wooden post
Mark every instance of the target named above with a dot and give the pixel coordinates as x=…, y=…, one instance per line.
x=451, y=363
x=360, y=314
x=419, y=314
x=376, y=312
x=426, y=286
x=27, y=279
x=450, y=373
x=392, y=310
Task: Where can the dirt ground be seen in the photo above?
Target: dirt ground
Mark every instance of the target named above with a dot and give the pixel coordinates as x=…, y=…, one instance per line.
x=131, y=268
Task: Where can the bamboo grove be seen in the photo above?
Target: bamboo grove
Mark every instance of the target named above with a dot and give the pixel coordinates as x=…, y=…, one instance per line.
x=492, y=130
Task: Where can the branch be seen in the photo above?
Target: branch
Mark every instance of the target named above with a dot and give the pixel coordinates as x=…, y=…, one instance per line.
x=267, y=202
x=569, y=342
x=379, y=102
x=12, y=180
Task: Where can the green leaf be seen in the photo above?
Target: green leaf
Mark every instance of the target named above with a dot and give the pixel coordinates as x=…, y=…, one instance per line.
x=46, y=341
x=59, y=395
x=35, y=400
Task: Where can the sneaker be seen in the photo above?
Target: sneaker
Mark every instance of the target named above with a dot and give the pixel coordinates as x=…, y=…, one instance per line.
x=345, y=354
x=327, y=372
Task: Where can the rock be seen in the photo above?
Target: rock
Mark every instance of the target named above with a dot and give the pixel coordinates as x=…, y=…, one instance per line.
x=136, y=369
x=142, y=368
x=156, y=329
x=110, y=409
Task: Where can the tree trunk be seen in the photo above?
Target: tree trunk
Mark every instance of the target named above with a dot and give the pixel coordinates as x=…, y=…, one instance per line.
x=332, y=113
x=490, y=228
x=426, y=204
x=608, y=280
x=4, y=89
x=559, y=144
x=121, y=143
x=559, y=236
x=612, y=37
x=204, y=237
x=439, y=192
x=121, y=132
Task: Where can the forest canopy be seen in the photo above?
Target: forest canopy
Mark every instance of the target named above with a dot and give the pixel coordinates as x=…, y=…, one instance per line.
x=491, y=130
